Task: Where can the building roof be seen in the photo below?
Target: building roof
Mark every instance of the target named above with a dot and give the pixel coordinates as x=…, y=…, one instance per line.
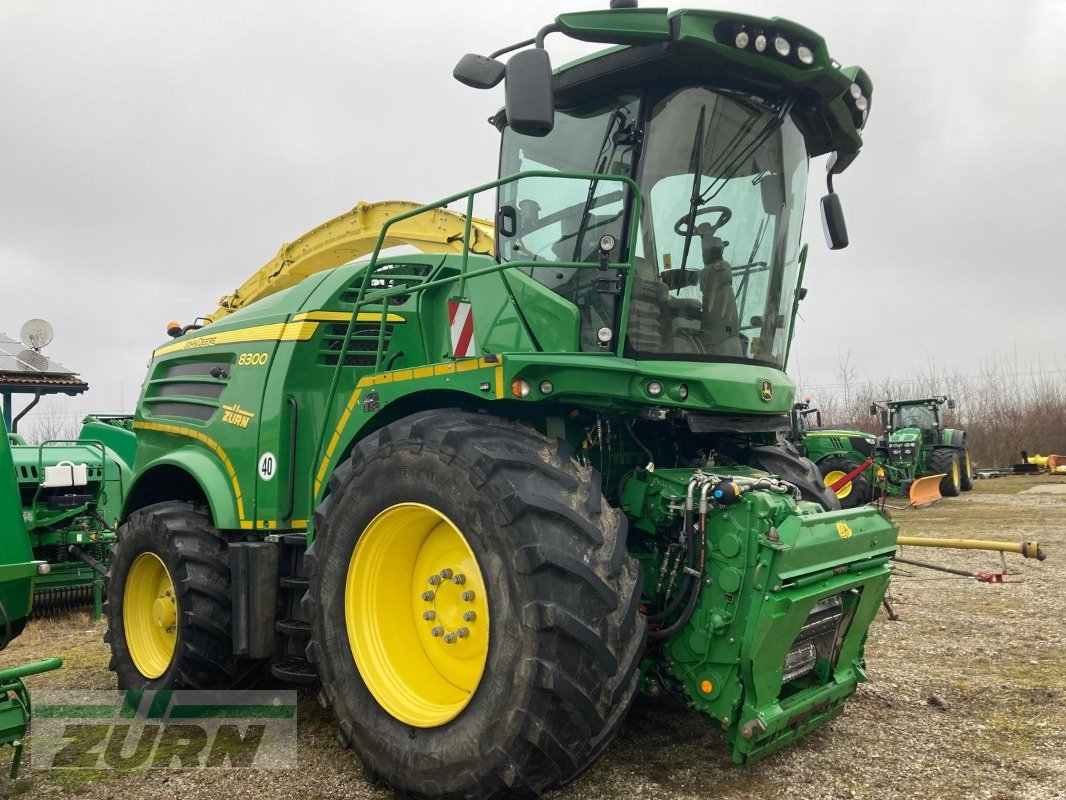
x=23, y=369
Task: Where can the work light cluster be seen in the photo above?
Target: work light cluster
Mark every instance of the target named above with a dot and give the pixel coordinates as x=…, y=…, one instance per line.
x=773, y=43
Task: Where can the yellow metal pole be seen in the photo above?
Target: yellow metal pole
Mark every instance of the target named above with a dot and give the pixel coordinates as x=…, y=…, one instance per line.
x=1026, y=549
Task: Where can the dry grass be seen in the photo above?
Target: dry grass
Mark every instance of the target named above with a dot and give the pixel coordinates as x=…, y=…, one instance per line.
x=995, y=654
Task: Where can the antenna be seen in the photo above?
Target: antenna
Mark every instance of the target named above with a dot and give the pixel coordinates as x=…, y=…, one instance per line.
x=36, y=334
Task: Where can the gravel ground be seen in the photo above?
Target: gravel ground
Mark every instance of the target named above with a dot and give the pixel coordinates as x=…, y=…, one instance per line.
x=966, y=697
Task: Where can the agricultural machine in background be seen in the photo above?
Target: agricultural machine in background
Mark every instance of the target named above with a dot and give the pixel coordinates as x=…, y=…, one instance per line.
x=916, y=457
x=18, y=571
x=486, y=494
x=70, y=495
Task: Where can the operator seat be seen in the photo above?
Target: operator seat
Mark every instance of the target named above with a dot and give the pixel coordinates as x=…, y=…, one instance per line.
x=721, y=320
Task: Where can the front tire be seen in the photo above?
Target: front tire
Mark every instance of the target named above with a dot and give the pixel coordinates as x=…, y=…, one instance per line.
x=966, y=471
x=553, y=647
x=168, y=602
x=946, y=461
x=852, y=495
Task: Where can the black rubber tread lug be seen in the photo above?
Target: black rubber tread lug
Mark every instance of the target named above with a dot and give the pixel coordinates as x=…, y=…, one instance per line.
x=556, y=681
x=594, y=498
x=539, y=556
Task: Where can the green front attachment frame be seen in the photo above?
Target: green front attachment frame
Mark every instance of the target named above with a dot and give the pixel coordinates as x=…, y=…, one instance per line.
x=774, y=645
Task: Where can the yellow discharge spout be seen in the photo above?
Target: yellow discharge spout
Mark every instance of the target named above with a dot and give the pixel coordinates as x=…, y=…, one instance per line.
x=354, y=235
x=1025, y=549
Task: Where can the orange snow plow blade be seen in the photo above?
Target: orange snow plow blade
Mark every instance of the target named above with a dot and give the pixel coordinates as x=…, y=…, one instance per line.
x=925, y=491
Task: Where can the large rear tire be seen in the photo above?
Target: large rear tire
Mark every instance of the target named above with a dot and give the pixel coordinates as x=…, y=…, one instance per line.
x=168, y=603
x=854, y=494
x=946, y=460
x=549, y=661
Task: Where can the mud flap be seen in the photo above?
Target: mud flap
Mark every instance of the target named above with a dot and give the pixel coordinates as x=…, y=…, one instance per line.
x=925, y=491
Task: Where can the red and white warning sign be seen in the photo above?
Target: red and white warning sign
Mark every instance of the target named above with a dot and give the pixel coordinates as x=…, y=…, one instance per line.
x=461, y=321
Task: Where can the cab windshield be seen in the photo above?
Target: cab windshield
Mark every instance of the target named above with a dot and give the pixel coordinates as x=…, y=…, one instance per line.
x=724, y=179
x=717, y=261
x=913, y=417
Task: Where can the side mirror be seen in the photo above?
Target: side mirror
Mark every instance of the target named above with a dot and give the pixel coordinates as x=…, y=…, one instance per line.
x=836, y=231
x=529, y=103
x=951, y=403
x=873, y=410
x=479, y=72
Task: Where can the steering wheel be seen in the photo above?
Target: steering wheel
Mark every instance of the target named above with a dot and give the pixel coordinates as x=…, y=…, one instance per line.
x=681, y=226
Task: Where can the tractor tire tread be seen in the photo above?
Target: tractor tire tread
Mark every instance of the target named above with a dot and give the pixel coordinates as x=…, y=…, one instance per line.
x=183, y=535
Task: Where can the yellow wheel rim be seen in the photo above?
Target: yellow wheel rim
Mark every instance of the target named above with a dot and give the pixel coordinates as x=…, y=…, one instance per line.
x=955, y=471
x=835, y=476
x=150, y=615
x=417, y=615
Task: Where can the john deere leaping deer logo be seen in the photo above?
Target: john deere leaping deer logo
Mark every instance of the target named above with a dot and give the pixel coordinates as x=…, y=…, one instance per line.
x=766, y=391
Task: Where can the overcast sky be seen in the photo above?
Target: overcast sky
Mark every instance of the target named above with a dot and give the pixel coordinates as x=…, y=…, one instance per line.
x=155, y=154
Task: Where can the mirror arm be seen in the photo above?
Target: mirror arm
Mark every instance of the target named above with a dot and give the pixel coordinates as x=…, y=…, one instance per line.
x=543, y=33
x=512, y=47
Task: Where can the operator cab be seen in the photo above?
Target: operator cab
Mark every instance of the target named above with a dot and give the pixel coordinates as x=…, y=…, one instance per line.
x=717, y=261
x=714, y=118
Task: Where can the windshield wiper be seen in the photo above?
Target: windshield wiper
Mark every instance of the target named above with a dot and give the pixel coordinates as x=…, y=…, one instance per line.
x=694, y=201
x=700, y=198
x=603, y=161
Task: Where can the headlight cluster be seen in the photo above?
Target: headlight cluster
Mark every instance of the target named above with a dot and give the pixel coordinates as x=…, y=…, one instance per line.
x=676, y=392
x=521, y=388
x=905, y=452
x=860, y=103
x=772, y=43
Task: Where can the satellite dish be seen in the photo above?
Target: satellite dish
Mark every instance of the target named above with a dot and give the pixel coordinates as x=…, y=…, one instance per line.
x=36, y=333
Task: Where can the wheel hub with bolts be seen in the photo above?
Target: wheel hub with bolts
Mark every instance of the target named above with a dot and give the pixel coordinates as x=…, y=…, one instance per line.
x=450, y=610
x=417, y=614
x=150, y=615
x=165, y=610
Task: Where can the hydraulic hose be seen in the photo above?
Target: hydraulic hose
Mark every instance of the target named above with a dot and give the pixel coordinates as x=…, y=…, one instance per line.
x=693, y=573
x=629, y=427
x=87, y=559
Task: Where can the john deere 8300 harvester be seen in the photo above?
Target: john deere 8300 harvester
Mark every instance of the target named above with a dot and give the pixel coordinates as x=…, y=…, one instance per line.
x=486, y=494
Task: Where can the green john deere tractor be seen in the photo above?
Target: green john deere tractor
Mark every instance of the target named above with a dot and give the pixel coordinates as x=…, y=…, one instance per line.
x=484, y=497
x=916, y=457
x=917, y=443
x=839, y=455
x=18, y=570
x=70, y=493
